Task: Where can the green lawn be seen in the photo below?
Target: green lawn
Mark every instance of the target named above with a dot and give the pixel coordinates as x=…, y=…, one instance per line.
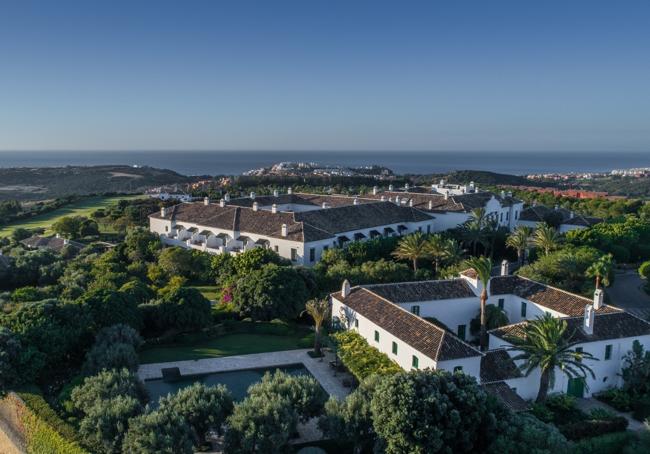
x=82, y=208
x=211, y=292
x=226, y=345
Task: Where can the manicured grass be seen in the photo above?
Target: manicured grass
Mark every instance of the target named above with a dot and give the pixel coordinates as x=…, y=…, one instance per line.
x=82, y=208
x=226, y=345
x=211, y=292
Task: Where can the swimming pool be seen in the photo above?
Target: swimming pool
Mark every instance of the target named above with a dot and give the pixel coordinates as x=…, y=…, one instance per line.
x=237, y=381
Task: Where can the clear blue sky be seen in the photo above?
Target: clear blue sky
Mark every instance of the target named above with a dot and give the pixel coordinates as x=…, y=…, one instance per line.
x=308, y=74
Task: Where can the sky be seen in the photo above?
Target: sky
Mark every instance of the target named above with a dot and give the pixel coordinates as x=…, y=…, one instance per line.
x=325, y=75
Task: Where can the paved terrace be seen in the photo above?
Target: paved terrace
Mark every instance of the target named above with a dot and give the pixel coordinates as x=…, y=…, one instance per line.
x=320, y=369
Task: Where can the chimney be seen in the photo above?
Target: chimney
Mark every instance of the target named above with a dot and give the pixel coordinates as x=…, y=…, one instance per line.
x=345, y=289
x=505, y=268
x=227, y=197
x=446, y=195
x=410, y=202
x=391, y=187
x=325, y=205
x=599, y=297
x=431, y=204
x=274, y=208
x=442, y=182
x=256, y=206
x=59, y=236
x=406, y=187
x=284, y=230
x=509, y=193
x=276, y=193
x=252, y=195
x=572, y=215
x=163, y=213
x=375, y=190
x=206, y=201
x=397, y=200
x=383, y=198
x=471, y=185
x=289, y=191
x=588, y=322
x=355, y=201
x=503, y=194
x=222, y=203
x=66, y=241
x=475, y=188
x=557, y=207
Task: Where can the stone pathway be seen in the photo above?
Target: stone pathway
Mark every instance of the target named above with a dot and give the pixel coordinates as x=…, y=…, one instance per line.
x=587, y=405
x=318, y=367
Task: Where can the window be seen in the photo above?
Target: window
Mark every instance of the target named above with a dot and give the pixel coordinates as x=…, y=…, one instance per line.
x=294, y=255
x=579, y=352
x=325, y=248
x=376, y=336
x=502, y=303
x=516, y=215
x=312, y=254
x=276, y=248
x=523, y=309
x=507, y=215
x=428, y=228
x=356, y=322
x=420, y=229
x=394, y=348
x=608, y=351
x=166, y=228
x=415, y=363
x=461, y=331
x=415, y=310
x=458, y=369
x=501, y=218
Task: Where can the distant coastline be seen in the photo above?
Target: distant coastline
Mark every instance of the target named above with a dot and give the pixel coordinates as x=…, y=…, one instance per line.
x=237, y=162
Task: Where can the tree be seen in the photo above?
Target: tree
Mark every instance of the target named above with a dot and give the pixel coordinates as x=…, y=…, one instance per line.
x=350, y=420
x=184, y=308
x=106, y=386
x=636, y=370
x=68, y=226
x=137, y=290
x=158, y=432
x=519, y=240
x=546, y=238
x=18, y=364
x=254, y=259
x=454, y=253
x=176, y=261
x=271, y=292
x=109, y=307
x=319, y=310
x=644, y=270
x=141, y=245
x=483, y=268
x=303, y=392
x=412, y=247
x=431, y=411
x=260, y=425
x=110, y=356
x=523, y=432
x=494, y=318
x=88, y=227
x=105, y=424
x=436, y=248
x=202, y=406
x=601, y=270
x=20, y=234
x=545, y=344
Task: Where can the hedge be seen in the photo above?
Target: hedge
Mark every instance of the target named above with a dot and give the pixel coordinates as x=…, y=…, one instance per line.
x=592, y=428
x=361, y=359
x=45, y=432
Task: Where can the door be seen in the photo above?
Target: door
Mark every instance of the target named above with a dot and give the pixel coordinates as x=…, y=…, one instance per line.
x=576, y=387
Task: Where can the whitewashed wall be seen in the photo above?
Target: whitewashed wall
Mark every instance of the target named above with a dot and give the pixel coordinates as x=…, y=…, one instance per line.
x=451, y=312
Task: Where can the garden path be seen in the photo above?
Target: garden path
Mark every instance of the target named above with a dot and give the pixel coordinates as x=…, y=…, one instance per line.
x=587, y=405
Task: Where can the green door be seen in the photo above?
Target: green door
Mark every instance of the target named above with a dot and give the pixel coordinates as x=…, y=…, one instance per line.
x=576, y=387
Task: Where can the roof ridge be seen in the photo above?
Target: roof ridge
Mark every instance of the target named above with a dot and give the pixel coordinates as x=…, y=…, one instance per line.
x=410, y=282
x=551, y=287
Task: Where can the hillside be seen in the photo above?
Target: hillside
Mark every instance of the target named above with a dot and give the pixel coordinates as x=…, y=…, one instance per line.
x=24, y=183
x=480, y=177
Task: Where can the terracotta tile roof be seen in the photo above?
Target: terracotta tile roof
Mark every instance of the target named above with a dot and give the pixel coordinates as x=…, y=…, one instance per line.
x=616, y=325
x=405, y=292
x=506, y=395
x=50, y=242
x=425, y=337
x=550, y=297
x=303, y=226
x=299, y=199
x=539, y=212
x=470, y=273
x=497, y=365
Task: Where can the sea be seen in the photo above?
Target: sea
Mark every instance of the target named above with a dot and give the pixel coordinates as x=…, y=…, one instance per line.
x=401, y=162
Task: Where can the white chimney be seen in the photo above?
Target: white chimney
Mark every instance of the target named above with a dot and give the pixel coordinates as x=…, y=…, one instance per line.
x=256, y=206
x=285, y=230
x=345, y=289
x=410, y=202
x=206, y=201
x=325, y=205
x=289, y=191
x=66, y=241
x=227, y=197
x=475, y=188
x=252, y=195
x=442, y=182
x=431, y=204
x=503, y=194
x=163, y=213
x=572, y=215
x=391, y=187
x=446, y=195
x=588, y=322
x=222, y=203
x=375, y=190
x=505, y=268
x=59, y=236
x=383, y=198
x=276, y=193
x=406, y=186
x=509, y=193
x=355, y=201
x=397, y=200
x=557, y=207
x=274, y=208
x=599, y=297
x=471, y=184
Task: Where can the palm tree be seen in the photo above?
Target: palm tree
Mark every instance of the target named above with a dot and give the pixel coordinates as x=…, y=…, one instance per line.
x=519, y=240
x=454, y=253
x=544, y=344
x=436, y=249
x=490, y=234
x=319, y=310
x=472, y=233
x=601, y=269
x=546, y=238
x=412, y=247
x=483, y=268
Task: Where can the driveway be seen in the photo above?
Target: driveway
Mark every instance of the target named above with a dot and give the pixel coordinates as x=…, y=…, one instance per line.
x=628, y=293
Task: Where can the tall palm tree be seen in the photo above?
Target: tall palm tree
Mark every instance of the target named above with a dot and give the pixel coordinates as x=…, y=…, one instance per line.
x=490, y=234
x=545, y=344
x=412, y=247
x=319, y=309
x=546, y=238
x=472, y=234
x=483, y=268
x=601, y=269
x=436, y=249
x=519, y=240
x=478, y=215
x=454, y=253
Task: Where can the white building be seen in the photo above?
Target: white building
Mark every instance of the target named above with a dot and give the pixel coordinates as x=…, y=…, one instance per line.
x=393, y=318
x=535, y=215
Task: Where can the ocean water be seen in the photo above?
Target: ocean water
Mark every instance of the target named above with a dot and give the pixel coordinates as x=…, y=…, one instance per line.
x=236, y=162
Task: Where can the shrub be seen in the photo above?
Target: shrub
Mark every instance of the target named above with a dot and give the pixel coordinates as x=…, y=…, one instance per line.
x=605, y=444
x=641, y=408
x=591, y=427
x=525, y=433
x=105, y=424
x=360, y=358
x=644, y=270
x=158, y=432
x=114, y=348
x=106, y=385
x=617, y=398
